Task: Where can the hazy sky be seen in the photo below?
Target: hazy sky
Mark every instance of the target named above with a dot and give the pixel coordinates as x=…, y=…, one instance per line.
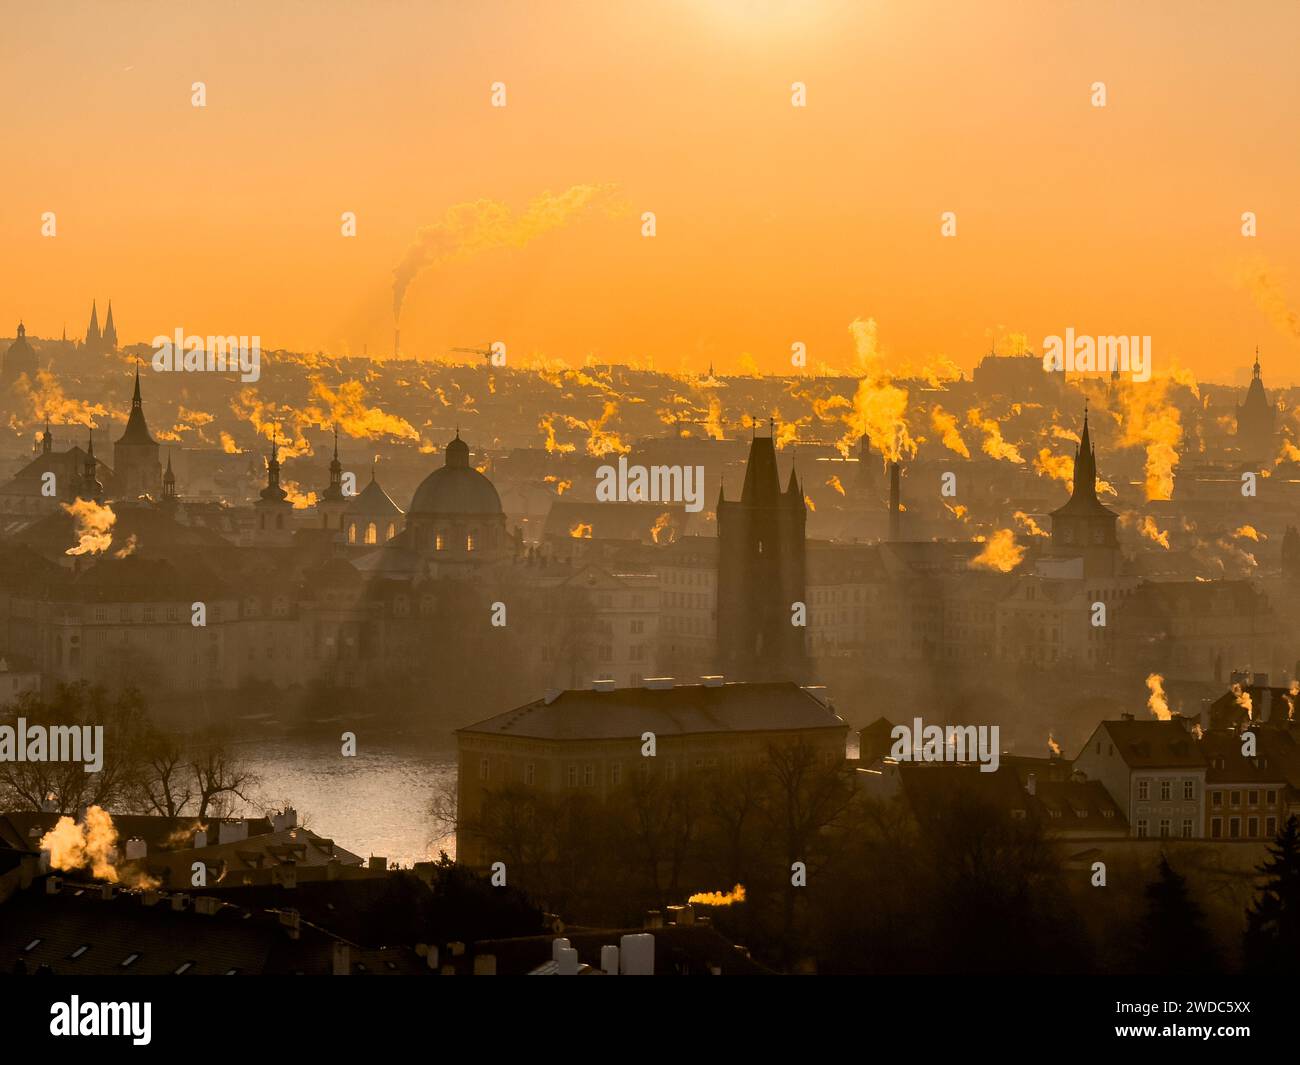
x=775, y=224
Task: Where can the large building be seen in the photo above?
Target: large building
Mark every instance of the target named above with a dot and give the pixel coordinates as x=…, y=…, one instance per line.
x=1153, y=770
x=761, y=573
x=590, y=742
x=455, y=520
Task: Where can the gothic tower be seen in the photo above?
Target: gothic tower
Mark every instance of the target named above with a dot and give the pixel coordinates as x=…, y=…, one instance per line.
x=1085, y=527
x=137, y=471
x=94, y=341
x=761, y=573
x=1255, y=418
x=109, y=338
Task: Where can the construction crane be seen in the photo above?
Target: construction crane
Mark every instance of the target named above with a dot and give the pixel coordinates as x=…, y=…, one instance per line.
x=487, y=353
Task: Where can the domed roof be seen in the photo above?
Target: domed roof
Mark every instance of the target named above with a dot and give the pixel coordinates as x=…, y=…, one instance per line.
x=455, y=488
x=20, y=358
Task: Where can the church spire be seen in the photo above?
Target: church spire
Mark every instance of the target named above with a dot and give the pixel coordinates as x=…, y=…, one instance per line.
x=334, y=493
x=92, y=330
x=110, y=330
x=1256, y=362
x=169, y=481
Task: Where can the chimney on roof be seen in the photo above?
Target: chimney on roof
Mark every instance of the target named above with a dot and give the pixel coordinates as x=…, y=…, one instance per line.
x=714, y=680
x=180, y=901
x=1126, y=717
x=200, y=839
x=609, y=959
x=53, y=885
x=291, y=920
x=659, y=683
x=567, y=960
x=136, y=848
x=1031, y=784
x=206, y=905
x=602, y=684
x=378, y=863
x=232, y=831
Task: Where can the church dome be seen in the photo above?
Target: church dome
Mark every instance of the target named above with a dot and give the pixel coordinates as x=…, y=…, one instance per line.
x=20, y=358
x=455, y=488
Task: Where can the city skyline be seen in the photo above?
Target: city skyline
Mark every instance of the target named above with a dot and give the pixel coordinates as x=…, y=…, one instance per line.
x=771, y=220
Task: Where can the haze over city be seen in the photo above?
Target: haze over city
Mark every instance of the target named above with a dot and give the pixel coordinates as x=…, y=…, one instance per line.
x=775, y=224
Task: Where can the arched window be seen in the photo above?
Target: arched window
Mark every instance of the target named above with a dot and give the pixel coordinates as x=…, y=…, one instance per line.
x=437, y=542
x=372, y=534
x=352, y=532
x=469, y=542
x=392, y=531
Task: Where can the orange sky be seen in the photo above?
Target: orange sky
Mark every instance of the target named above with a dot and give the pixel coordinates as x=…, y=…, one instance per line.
x=776, y=224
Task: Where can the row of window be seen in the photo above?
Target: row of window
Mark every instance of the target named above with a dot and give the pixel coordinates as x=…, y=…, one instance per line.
x=1166, y=789
x=1234, y=828
x=1252, y=797
x=1165, y=828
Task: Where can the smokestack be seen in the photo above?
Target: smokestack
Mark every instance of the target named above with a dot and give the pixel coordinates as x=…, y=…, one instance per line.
x=894, y=514
x=1031, y=785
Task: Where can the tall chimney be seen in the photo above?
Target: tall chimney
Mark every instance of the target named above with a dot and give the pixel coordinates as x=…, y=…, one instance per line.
x=397, y=342
x=894, y=514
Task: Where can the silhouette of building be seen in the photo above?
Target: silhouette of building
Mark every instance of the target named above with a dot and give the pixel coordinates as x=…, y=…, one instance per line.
x=333, y=503
x=1255, y=421
x=761, y=572
x=589, y=741
x=97, y=342
x=169, y=484
x=455, y=517
x=273, y=509
x=135, y=454
x=90, y=486
x=20, y=359
x=372, y=517
x=1085, y=527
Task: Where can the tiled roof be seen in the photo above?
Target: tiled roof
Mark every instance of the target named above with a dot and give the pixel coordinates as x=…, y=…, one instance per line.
x=1154, y=744
x=680, y=710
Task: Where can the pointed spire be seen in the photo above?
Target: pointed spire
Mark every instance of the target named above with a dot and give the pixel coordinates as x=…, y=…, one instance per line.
x=1085, y=464
x=135, y=398
x=1256, y=362
x=92, y=330
x=110, y=331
